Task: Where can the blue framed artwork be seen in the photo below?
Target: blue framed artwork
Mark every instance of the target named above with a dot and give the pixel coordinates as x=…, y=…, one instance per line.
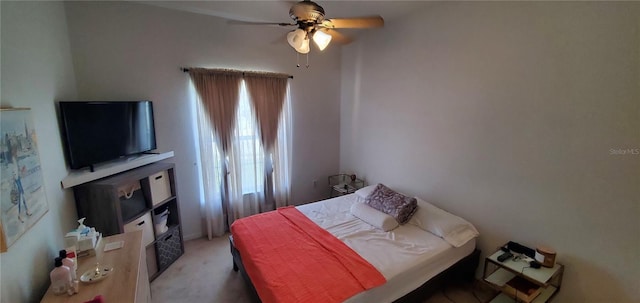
x=23, y=200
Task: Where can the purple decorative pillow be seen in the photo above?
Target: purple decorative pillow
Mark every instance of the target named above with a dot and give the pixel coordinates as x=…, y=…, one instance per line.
x=392, y=203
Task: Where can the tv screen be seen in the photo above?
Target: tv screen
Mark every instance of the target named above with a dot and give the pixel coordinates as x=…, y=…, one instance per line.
x=96, y=132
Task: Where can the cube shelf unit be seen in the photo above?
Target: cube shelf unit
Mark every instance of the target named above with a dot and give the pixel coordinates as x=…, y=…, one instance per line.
x=135, y=200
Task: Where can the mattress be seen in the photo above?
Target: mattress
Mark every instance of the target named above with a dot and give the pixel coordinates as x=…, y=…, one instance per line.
x=406, y=256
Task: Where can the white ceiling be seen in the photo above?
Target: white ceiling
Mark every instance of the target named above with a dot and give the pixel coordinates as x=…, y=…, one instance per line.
x=278, y=11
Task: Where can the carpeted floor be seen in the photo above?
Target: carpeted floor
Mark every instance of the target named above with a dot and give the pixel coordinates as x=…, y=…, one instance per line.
x=204, y=274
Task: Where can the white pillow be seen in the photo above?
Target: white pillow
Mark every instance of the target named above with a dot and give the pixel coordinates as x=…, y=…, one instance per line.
x=373, y=216
x=365, y=191
x=453, y=229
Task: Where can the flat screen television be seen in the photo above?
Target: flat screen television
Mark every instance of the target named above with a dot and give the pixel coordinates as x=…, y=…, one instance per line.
x=96, y=131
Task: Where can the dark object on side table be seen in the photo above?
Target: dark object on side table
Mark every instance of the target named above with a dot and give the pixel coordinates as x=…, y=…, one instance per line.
x=505, y=256
x=521, y=249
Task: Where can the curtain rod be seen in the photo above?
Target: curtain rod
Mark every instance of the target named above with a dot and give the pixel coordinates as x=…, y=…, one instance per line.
x=186, y=70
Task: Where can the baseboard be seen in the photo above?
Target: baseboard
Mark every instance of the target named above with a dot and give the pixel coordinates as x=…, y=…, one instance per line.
x=192, y=236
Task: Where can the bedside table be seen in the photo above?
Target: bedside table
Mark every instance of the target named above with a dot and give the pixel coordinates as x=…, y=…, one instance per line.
x=342, y=184
x=544, y=282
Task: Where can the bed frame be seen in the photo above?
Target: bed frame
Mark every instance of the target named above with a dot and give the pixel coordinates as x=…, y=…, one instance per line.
x=463, y=270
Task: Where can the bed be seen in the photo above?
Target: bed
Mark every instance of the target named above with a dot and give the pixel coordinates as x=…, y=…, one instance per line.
x=413, y=261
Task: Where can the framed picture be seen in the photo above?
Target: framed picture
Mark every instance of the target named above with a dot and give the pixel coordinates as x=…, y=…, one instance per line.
x=23, y=200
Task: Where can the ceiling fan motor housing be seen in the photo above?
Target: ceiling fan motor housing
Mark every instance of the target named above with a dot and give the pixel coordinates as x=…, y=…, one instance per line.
x=305, y=12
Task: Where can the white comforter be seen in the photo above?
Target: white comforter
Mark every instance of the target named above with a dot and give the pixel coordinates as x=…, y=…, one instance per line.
x=406, y=256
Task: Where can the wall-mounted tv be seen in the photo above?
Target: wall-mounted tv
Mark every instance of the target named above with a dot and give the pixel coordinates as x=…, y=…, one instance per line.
x=96, y=131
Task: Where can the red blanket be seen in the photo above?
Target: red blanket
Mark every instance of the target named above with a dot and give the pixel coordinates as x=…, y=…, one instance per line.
x=291, y=259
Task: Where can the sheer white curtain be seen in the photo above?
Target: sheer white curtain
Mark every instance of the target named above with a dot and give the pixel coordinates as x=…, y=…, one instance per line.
x=210, y=168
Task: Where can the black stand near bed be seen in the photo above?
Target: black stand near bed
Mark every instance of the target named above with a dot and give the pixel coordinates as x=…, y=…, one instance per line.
x=463, y=270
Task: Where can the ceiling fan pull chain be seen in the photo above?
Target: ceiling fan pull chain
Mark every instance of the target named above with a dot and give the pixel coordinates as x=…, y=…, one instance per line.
x=297, y=59
x=307, y=60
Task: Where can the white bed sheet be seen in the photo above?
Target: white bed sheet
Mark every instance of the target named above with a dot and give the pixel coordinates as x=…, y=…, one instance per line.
x=406, y=256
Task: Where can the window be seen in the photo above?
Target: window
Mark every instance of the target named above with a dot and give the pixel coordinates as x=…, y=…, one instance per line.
x=248, y=147
x=225, y=113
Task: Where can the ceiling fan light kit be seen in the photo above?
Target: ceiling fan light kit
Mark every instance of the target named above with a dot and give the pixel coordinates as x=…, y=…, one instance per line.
x=311, y=23
x=321, y=39
x=298, y=40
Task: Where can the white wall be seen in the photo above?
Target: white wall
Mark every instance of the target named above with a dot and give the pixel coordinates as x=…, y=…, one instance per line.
x=36, y=72
x=128, y=51
x=505, y=113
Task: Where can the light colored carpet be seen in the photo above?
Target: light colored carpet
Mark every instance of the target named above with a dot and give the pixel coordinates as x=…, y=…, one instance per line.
x=205, y=274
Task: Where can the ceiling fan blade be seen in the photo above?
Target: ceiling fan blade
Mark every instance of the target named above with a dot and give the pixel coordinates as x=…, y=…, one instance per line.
x=363, y=22
x=238, y=22
x=337, y=36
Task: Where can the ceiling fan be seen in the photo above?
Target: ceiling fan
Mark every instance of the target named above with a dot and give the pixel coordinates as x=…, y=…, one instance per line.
x=309, y=17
